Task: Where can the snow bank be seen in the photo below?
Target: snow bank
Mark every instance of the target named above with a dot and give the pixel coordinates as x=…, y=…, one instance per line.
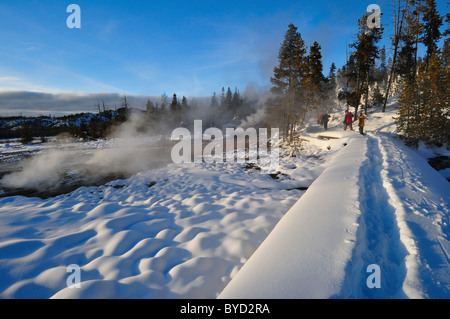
x=177, y=232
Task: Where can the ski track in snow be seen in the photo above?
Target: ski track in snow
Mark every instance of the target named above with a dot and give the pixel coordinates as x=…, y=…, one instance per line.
x=421, y=198
x=402, y=227
x=378, y=239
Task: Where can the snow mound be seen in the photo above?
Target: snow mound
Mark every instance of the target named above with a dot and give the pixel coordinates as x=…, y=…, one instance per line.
x=177, y=232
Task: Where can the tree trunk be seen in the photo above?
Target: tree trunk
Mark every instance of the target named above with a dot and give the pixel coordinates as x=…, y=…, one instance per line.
x=367, y=95
x=398, y=25
x=359, y=94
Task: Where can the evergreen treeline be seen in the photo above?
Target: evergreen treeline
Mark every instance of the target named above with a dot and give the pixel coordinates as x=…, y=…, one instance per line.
x=424, y=103
x=227, y=108
x=161, y=117
x=300, y=90
x=298, y=84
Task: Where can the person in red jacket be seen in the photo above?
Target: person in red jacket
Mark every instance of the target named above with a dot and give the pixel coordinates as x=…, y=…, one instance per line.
x=348, y=120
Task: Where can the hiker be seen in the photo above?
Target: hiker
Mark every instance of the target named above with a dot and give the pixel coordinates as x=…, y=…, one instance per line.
x=325, y=119
x=345, y=120
x=348, y=120
x=320, y=119
x=361, y=123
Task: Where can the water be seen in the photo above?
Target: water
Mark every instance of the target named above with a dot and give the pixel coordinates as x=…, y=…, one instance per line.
x=440, y=163
x=77, y=169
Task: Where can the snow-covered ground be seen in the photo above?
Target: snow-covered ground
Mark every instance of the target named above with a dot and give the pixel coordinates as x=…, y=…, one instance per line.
x=378, y=204
x=181, y=231
x=203, y=231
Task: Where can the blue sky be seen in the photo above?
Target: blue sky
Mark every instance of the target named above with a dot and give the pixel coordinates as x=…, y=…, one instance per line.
x=191, y=48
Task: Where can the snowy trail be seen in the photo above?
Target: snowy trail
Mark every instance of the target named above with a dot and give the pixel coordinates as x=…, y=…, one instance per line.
x=308, y=252
x=398, y=220
x=378, y=238
x=421, y=199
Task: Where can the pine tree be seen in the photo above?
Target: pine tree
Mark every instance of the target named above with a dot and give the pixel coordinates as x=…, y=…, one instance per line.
x=330, y=88
x=406, y=64
x=424, y=104
x=164, y=103
x=184, y=104
x=313, y=79
x=407, y=110
x=438, y=106
x=377, y=98
x=381, y=73
x=175, y=113
x=285, y=108
x=222, y=96
x=331, y=78
x=228, y=102
x=236, y=102
x=446, y=82
x=365, y=54
x=174, y=104
x=314, y=66
x=214, y=104
x=446, y=46
x=150, y=108
x=432, y=21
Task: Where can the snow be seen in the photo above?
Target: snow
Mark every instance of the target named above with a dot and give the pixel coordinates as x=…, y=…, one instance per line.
x=177, y=232
x=306, y=254
x=377, y=203
x=445, y=173
x=230, y=231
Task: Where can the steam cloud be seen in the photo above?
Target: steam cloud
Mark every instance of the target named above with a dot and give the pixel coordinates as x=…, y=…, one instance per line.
x=133, y=150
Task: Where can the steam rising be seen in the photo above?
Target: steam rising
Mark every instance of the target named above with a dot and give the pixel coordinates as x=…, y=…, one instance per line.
x=130, y=152
x=254, y=120
x=136, y=145
x=40, y=171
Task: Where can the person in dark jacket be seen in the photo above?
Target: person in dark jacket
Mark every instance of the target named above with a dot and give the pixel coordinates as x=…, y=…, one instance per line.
x=325, y=119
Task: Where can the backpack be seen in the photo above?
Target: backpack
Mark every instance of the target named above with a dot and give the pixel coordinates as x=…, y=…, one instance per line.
x=349, y=118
